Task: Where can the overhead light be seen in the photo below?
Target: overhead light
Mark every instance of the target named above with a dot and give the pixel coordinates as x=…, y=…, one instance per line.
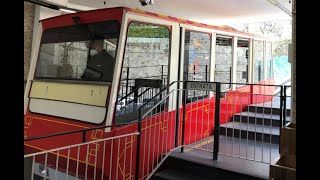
x=67, y=10
x=274, y=2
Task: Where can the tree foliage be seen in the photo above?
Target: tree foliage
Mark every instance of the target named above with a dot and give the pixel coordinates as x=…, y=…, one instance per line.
x=273, y=28
x=280, y=48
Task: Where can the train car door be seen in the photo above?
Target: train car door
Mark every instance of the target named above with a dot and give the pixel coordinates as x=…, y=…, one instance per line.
x=197, y=56
x=150, y=51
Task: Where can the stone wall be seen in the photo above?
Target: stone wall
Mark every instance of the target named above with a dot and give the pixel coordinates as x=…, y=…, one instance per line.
x=197, y=55
x=29, y=10
x=150, y=53
x=258, y=61
x=242, y=63
x=155, y=53
x=223, y=63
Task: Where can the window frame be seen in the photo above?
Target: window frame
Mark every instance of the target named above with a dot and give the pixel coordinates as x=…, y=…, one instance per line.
x=129, y=21
x=71, y=80
x=232, y=67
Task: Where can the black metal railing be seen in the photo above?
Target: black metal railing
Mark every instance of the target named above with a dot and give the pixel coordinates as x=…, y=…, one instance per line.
x=141, y=116
x=252, y=117
x=127, y=81
x=199, y=73
x=169, y=108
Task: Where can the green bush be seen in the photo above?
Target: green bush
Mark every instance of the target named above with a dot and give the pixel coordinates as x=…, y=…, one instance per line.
x=148, y=32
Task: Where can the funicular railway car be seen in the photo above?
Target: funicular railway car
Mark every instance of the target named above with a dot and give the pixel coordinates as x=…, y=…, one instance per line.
x=98, y=68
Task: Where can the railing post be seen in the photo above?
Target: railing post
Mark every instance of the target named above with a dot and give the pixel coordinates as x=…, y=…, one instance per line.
x=135, y=94
x=183, y=113
x=216, y=123
x=177, y=116
x=28, y=163
x=138, y=147
x=127, y=83
x=162, y=76
x=230, y=75
x=284, y=112
x=259, y=73
x=247, y=70
x=194, y=74
x=281, y=113
x=84, y=136
x=281, y=106
x=206, y=73
x=251, y=94
x=207, y=77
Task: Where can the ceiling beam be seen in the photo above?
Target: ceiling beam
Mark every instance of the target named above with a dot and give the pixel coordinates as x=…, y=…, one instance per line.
x=279, y=5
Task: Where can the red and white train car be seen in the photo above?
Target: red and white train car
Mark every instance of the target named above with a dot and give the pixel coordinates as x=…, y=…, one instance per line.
x=67, y=90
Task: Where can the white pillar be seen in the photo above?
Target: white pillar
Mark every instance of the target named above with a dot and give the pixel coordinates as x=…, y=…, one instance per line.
x=234, y=62
x=29, y=13
x=293, y=65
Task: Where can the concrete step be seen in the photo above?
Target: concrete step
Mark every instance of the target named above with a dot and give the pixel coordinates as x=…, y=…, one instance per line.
x=264, y=133
x=266, y=110
x=258, y=118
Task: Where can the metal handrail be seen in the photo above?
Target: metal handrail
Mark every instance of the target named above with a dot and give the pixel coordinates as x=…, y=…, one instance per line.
x=140, y=129
x=253, y=84
x=76, y=131
x=147, y=66
x=159, y=102
x=75, y=145
x=144, y=77
x=133, y=90
x=158, y=94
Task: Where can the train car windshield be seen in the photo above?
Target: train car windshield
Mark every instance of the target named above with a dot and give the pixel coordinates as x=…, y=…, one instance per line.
x=83, y=52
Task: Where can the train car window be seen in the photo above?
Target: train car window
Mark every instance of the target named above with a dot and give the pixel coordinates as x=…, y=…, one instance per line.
x=242, y=61
x=144, y=69
x=269, y=61
x=196, y=60
x=223, y=61
x=258, y=61
x=83, y=52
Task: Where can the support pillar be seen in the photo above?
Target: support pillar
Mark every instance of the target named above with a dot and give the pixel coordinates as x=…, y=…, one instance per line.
x=29, y=14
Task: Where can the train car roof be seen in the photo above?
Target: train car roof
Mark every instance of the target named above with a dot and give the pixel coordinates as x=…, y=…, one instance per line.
x=98, y=15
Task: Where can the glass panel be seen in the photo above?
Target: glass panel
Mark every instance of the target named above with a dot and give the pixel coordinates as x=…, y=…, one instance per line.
x=242, y=61
x=269, y=61
x=85, y=52
x=258, y=61
x=223, y=62
x=196, y=59
x=144, y=69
